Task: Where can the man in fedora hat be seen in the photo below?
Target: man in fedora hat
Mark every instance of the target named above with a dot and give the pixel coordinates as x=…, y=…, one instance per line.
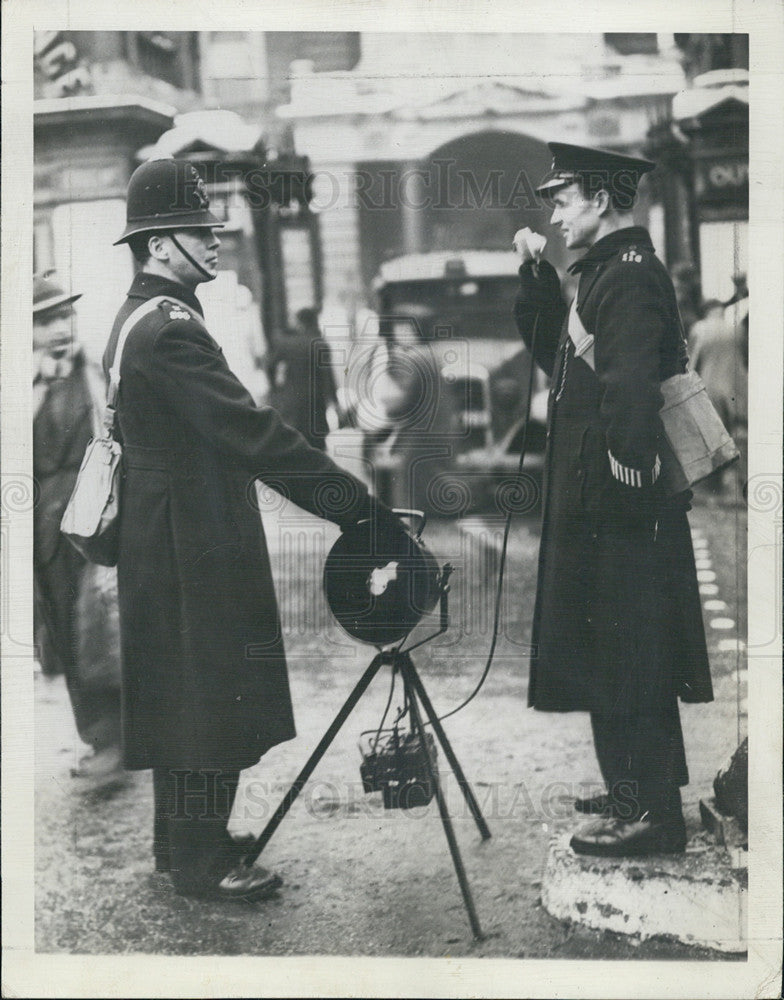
x=617, y=628
x=76, y=631
x=205, y=685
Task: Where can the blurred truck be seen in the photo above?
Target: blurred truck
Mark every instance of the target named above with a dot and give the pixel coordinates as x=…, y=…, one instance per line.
x=449, y=386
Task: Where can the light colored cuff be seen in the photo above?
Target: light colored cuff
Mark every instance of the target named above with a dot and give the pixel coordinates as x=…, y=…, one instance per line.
x=634, y=477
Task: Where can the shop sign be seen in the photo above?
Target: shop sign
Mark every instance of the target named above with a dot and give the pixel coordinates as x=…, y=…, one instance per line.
x=58, y=61
x=722, y=180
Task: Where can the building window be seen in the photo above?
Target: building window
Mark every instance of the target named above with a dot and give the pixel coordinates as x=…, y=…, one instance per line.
x=705, y=52
x=633, y=43
x=171, y=56
x=329, y=51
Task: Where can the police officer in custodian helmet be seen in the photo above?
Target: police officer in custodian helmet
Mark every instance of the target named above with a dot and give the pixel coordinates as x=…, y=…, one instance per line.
x=617, y=628
x=205, y=687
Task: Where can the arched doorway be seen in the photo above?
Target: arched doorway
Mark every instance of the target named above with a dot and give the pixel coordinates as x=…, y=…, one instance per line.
x=472, y=193
x=483, y=188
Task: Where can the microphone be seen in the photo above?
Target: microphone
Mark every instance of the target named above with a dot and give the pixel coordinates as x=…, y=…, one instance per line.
x=530, y=246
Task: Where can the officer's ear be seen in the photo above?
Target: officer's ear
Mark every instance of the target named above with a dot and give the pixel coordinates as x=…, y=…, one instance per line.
x=601, y=201
x=157, y=247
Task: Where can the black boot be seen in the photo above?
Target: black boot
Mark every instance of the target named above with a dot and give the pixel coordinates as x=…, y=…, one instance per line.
x=617, y=838
x=658, y=828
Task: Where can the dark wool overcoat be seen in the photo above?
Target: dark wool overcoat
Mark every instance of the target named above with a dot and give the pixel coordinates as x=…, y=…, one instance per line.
x=204, y=674
x=62, y=426
x=617, y=621
x=74, y=611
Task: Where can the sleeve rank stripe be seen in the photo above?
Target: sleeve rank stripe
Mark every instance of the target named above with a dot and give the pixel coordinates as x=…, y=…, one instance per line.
x=634, y=477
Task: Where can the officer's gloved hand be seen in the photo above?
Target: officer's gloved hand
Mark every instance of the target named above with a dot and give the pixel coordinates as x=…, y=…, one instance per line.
x=376, y=511
x=539, y=284
x=529, y=245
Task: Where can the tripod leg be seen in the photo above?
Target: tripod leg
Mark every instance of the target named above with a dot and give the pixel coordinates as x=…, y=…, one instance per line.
x=446, y=820
x=299, y=782
x=473, y=805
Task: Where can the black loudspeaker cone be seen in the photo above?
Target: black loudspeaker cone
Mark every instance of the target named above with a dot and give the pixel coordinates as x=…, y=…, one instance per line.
x=379, y=580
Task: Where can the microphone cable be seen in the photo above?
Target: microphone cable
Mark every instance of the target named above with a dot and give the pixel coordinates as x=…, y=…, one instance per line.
x=507, y=527
x=502, y=560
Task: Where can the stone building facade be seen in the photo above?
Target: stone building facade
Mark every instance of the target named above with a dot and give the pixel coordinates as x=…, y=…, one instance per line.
x=413, y=142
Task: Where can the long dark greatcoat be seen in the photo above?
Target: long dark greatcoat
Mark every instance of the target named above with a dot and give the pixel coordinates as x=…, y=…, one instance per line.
x=617, y=621
x=75, y=615
x=204, y=673
x=62, y=427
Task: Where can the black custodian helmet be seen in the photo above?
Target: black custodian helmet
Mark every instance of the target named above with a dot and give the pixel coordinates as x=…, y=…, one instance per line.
x=166, y=194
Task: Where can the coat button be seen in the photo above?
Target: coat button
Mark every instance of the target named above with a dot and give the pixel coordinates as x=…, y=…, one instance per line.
x=579, y=473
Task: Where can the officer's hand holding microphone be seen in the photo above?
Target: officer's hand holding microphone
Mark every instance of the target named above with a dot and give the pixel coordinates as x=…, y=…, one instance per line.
x=530, y=246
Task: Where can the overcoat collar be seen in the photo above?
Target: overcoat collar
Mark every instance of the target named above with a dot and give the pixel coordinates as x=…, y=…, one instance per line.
x=609, y=245
x=147, y=286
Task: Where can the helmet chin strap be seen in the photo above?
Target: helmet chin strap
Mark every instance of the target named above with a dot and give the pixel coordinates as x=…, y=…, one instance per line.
x=200, y=268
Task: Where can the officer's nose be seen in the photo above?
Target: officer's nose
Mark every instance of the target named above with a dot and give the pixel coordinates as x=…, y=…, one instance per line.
x=555, y=217
x=214, y=241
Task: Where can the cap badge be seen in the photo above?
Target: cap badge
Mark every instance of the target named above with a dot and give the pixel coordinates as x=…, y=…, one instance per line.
x=201, y=193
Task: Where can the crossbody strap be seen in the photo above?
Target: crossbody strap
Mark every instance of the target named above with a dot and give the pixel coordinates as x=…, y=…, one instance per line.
x=584, y=348
x=579, y=336
x=96, y=386
x=584, y=341
x=114, y=372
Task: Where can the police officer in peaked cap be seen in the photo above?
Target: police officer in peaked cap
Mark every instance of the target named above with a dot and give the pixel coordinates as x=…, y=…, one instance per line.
x=205, y=685
x=617, y=628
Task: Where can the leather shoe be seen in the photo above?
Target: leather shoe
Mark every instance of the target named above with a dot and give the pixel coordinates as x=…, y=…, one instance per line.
x=249, y=882
x=617, y=838
x=100, y=773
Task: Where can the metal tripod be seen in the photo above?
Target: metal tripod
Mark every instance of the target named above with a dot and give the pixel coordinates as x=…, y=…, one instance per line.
x=399, y=660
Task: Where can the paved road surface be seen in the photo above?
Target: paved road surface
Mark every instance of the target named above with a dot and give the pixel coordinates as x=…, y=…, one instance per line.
x=360, y=880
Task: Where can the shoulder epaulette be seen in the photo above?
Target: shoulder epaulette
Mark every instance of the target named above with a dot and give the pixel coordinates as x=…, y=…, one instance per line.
x=173, y=310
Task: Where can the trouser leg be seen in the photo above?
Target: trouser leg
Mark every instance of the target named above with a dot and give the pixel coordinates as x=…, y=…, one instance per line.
x=661, y=763
x=606, y=746
x=643, y=761
x=97, y=714
x=162, y=810
x=72, y=632
x=192, y=809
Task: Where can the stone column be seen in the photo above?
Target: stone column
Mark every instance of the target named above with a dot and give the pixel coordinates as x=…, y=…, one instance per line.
x=412, y=199
x=335, y=203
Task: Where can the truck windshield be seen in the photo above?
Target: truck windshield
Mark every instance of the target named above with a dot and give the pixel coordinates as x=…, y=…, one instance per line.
x=471, y=308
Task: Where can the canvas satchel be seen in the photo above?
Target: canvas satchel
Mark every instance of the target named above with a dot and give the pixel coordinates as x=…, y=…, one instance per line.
x=91, y=519
x=695, y=442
